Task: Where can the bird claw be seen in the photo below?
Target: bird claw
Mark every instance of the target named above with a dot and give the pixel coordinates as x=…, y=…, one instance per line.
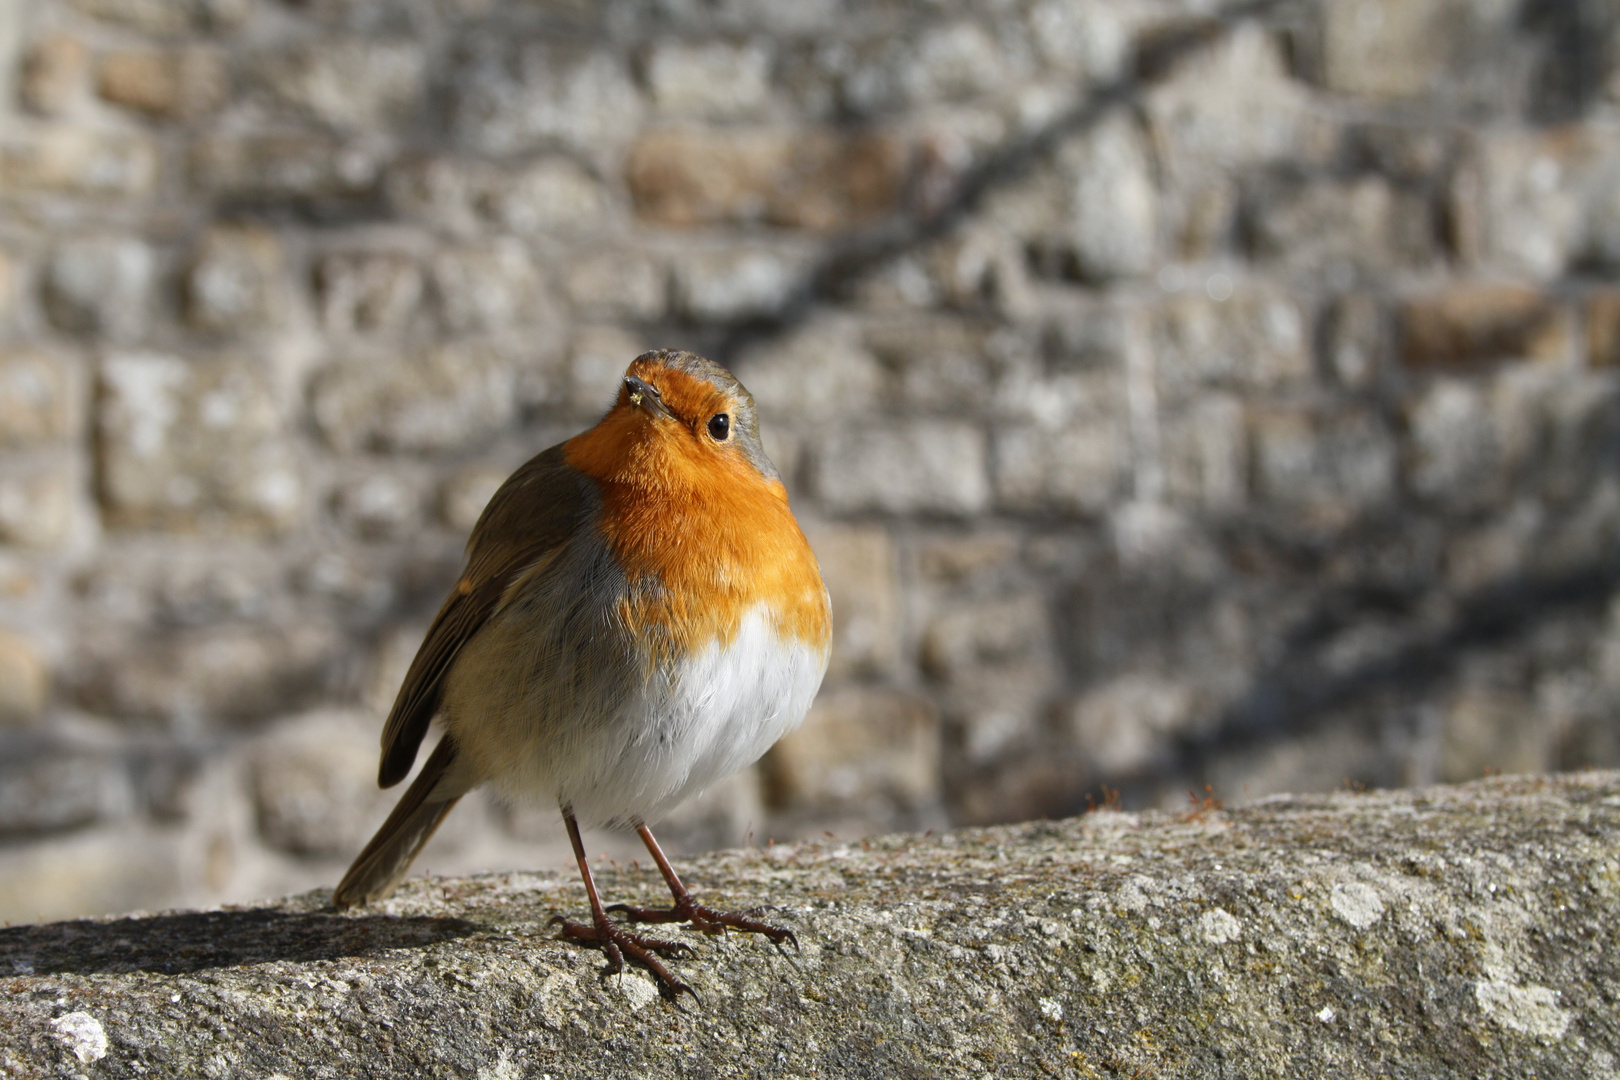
x=617, y=942
x=709, y=921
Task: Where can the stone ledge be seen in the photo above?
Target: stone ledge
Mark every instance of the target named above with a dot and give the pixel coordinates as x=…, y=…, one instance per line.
x=1450, y=931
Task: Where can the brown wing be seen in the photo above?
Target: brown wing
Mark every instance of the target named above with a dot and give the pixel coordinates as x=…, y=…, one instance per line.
x=538, y=508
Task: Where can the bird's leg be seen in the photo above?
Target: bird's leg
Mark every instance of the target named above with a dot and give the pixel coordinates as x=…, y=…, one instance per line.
x=614, y=939
x=686, y=910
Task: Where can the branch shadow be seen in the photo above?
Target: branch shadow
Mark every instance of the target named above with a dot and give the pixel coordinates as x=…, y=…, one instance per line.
x=186, y=942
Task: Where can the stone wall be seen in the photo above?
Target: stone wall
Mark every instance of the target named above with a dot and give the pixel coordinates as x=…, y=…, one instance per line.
x=1175, y=395
x=1448, y=931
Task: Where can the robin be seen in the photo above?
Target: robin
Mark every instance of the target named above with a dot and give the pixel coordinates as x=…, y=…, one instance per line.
x=639, y=617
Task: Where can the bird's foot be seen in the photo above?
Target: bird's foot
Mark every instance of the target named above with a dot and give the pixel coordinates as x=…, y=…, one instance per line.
x=617, y=943
x=708, y=920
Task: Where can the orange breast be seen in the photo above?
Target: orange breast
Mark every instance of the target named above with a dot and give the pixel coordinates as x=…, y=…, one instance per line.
x=703, y=537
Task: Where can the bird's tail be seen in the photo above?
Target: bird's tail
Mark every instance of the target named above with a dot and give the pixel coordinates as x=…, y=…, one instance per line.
x=383, y=862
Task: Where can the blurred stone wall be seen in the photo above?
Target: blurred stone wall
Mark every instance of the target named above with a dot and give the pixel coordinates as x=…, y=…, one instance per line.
x=1174, y=394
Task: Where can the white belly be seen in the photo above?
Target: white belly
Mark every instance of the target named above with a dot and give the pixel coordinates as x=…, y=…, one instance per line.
x=665, y=739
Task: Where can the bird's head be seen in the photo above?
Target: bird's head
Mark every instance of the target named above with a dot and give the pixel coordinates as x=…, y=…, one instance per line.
x=680, y=421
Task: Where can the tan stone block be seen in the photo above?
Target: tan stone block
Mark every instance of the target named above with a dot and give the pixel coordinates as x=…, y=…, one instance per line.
x=819, y=373
x=38, y=502
x=1256, y=337
x=285, y=164
x=1080, y=469
x=224, y=672
x=1384, y=48
x=354, y=84
x=687, y=176
x=1121, y=726
x=171, y=84
x=381, y=502
x=1390, y=50
x=552, y=195
x=1205, y=448
x=437, y=400
x=185, y=443
x=858, y=746
x=815, y=179
x=922, y=466
x=951, y=560
x=1603, y=328
x=368, y=292
x=712, y=79
x=539, y=96
x=1333, y=466
x=859, y=566
x=737, y=281
x=1234, y=105
x=41, y=397
x=25, y=682
x=79, y=160
x=628, y=285
x=235, y=279
x=990, y=632
x=492, y=286
x=1481, y=322
x=314, y=783
x=54, y=73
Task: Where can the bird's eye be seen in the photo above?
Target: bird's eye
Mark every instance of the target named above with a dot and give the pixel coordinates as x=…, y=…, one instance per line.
x=719, y=427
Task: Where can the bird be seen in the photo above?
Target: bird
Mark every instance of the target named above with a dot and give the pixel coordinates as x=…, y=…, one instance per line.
x=639, y=615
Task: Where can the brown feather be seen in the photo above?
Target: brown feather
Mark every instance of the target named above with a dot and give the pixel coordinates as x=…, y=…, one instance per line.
x=535, y=511
x=383, y=862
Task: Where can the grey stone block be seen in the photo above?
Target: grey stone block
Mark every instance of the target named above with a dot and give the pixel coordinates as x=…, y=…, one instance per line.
x=348, y=84
x=917, y=466
x=42, y=397
x=188, y=443
x=516, y=97
x=438, y=400
x=236, y=279
x=54, y=788
x=101, y=287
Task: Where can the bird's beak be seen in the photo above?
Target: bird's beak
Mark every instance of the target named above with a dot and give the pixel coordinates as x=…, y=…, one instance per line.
x=645, y=395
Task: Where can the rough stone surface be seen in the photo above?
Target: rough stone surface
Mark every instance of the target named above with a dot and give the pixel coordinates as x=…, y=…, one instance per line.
x=1443, y=931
